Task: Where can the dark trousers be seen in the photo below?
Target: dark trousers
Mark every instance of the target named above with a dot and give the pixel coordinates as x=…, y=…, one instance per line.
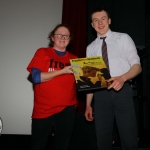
x=110, y=104
x=63, y=123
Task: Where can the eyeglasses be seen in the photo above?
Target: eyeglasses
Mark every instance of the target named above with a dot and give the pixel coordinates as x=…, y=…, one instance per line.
x=59, y=36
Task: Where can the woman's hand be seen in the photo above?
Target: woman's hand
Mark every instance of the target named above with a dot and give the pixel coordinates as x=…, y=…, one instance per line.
x=67, y=70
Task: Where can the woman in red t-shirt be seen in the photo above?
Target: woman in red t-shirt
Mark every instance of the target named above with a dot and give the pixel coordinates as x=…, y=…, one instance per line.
x=54, y=91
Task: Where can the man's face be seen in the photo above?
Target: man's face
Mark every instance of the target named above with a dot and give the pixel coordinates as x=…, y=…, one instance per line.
x=100, y=22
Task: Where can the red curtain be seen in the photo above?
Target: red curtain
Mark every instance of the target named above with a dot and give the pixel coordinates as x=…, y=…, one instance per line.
x=74, y=15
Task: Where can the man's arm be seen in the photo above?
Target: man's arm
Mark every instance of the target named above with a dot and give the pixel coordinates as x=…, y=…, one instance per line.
x=119, y=81
x=88, y=111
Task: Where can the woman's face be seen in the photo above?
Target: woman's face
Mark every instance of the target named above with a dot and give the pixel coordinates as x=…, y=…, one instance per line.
x=61, y=39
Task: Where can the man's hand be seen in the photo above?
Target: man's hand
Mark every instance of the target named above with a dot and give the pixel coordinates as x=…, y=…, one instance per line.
x=88, y=113
x=117, y=83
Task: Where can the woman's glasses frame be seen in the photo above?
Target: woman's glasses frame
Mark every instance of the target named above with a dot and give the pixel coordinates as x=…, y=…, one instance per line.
x=60, y=36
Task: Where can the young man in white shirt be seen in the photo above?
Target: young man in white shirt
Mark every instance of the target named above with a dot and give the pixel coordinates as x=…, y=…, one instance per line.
x=116, y=101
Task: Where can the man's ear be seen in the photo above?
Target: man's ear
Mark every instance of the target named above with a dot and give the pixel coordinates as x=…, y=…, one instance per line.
x=92, y=24
x=109, y=21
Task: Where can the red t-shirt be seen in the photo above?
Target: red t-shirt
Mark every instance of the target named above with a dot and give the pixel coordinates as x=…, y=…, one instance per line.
x=54, y=95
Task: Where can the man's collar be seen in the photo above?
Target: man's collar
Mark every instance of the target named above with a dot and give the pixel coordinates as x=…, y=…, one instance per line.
x=107, y=34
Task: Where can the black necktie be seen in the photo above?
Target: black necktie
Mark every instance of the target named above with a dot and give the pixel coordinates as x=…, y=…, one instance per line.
x=104, y=52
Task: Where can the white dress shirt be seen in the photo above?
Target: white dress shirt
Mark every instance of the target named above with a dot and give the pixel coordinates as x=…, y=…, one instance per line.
x=122, y=53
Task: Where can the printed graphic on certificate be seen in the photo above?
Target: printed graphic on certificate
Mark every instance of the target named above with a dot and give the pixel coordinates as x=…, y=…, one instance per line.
x=90, y=73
